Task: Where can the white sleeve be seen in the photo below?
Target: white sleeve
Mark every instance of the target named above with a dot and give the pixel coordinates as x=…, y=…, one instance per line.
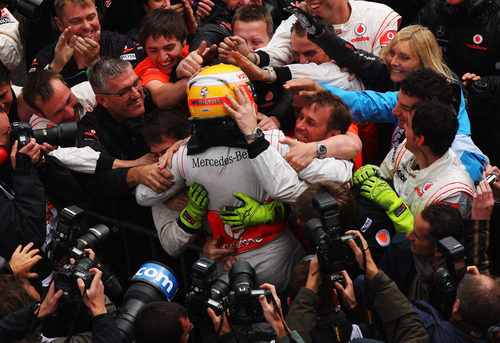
x=82, y=160
x=173, y=239
x=11, y=49
x=330, y=169
x=388, y=28
x=326, y=73
x=279, y=47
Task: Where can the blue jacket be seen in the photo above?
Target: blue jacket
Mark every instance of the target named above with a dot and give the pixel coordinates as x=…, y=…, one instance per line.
x=371, y=106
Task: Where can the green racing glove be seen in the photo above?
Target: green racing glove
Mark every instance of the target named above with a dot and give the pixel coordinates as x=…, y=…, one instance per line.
x=252, y=212
x=190, y=218
x=364, y=173
x=381, y=193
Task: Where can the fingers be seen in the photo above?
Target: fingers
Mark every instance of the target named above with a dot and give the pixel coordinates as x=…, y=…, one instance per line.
x=473, y=270
x=202, y=48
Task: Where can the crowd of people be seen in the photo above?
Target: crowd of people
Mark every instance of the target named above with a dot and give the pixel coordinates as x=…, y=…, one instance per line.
x=249, y=171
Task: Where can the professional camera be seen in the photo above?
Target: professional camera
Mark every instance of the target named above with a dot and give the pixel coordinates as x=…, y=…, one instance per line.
x=28, y=8
x=446, y=280
x=65, y=278
x=243, y=300
x=325, y=235
x=152, y=282
x=205, y=292
x=72, y=222
x=62, y=135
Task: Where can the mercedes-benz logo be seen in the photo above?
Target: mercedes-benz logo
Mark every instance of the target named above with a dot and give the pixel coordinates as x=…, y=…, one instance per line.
x=440, y=31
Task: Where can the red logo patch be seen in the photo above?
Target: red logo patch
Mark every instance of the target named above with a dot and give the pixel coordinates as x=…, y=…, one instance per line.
x=360, y=29
x=387, y=38
x=477, y=39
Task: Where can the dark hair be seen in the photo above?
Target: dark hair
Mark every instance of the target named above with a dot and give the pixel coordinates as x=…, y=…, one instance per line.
x=444, y=220
x=479, y=297
x=426, y=84
x=172, y=123
x=436, y=122
x=162, y=22
x=13, y=294
x=255, y=13
x=300, y=31
x=4, y=74
x=304, y=209
x=340, y=117
x=59, y=5
x=159, y=322
x=38, y=85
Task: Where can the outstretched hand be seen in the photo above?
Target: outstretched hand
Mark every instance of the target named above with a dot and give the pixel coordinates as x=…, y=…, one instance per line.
x=23, y=259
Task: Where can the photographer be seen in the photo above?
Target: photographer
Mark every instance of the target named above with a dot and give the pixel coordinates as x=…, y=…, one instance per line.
x=22, y=196
x=400, y=322
x=26, y=320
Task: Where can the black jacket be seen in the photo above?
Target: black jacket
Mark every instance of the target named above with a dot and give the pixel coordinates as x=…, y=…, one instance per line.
x=467, y=33
x=112, y=44
x=22, y=206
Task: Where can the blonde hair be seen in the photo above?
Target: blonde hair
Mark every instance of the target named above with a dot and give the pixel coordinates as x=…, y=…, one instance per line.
x=425, y=46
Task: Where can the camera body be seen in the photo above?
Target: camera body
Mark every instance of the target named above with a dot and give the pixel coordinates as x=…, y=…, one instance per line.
x=65, y=278
x=445, y=280
x=62, y=135
x=205, y=292
x=326, y=236
x=243, y=299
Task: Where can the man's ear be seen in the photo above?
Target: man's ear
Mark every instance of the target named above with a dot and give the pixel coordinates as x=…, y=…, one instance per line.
x=420, y=141
x=59, y=24
x=455, y=310
x=100, y=99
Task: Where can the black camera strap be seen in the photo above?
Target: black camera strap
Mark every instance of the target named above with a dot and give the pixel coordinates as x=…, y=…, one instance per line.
x=368, y=304
x=73, y=322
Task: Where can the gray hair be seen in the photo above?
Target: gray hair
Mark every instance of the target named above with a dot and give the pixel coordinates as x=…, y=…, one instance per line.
x=106, y=68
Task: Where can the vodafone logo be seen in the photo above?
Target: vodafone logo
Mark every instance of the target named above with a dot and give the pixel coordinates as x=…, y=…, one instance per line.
x=360, y=29
x=383, y=237
x=477, y=39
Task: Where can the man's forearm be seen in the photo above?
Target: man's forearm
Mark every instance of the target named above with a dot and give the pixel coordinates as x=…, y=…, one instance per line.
x=168, y=94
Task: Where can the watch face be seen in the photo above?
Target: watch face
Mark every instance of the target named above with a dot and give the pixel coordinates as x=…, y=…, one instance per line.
x=321, y=149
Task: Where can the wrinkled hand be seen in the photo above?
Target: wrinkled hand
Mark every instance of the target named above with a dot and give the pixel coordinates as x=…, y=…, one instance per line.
x=268, y=123
x=212, y=250
x=49, y=304
x=145, y=159
x=89, y=49
x=242, y=111
x=233, y=43
x=166, y=159
x=303, y=87
x=93, y=297
x=469, y=78
x=364, y=173
x=347, y=294
x=192, y=215
x=64, y=50
x=300, y=154
x=23, y=259
x=204, y=9
x=272, y=314
x=380, y=192
x=482, y=202
x=254, y=72
x=153, y=177
x=252, y=212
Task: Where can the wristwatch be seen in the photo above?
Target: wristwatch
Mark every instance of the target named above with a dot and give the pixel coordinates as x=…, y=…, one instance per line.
x=272, y=74
x=321, y=149
x=257, y=133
